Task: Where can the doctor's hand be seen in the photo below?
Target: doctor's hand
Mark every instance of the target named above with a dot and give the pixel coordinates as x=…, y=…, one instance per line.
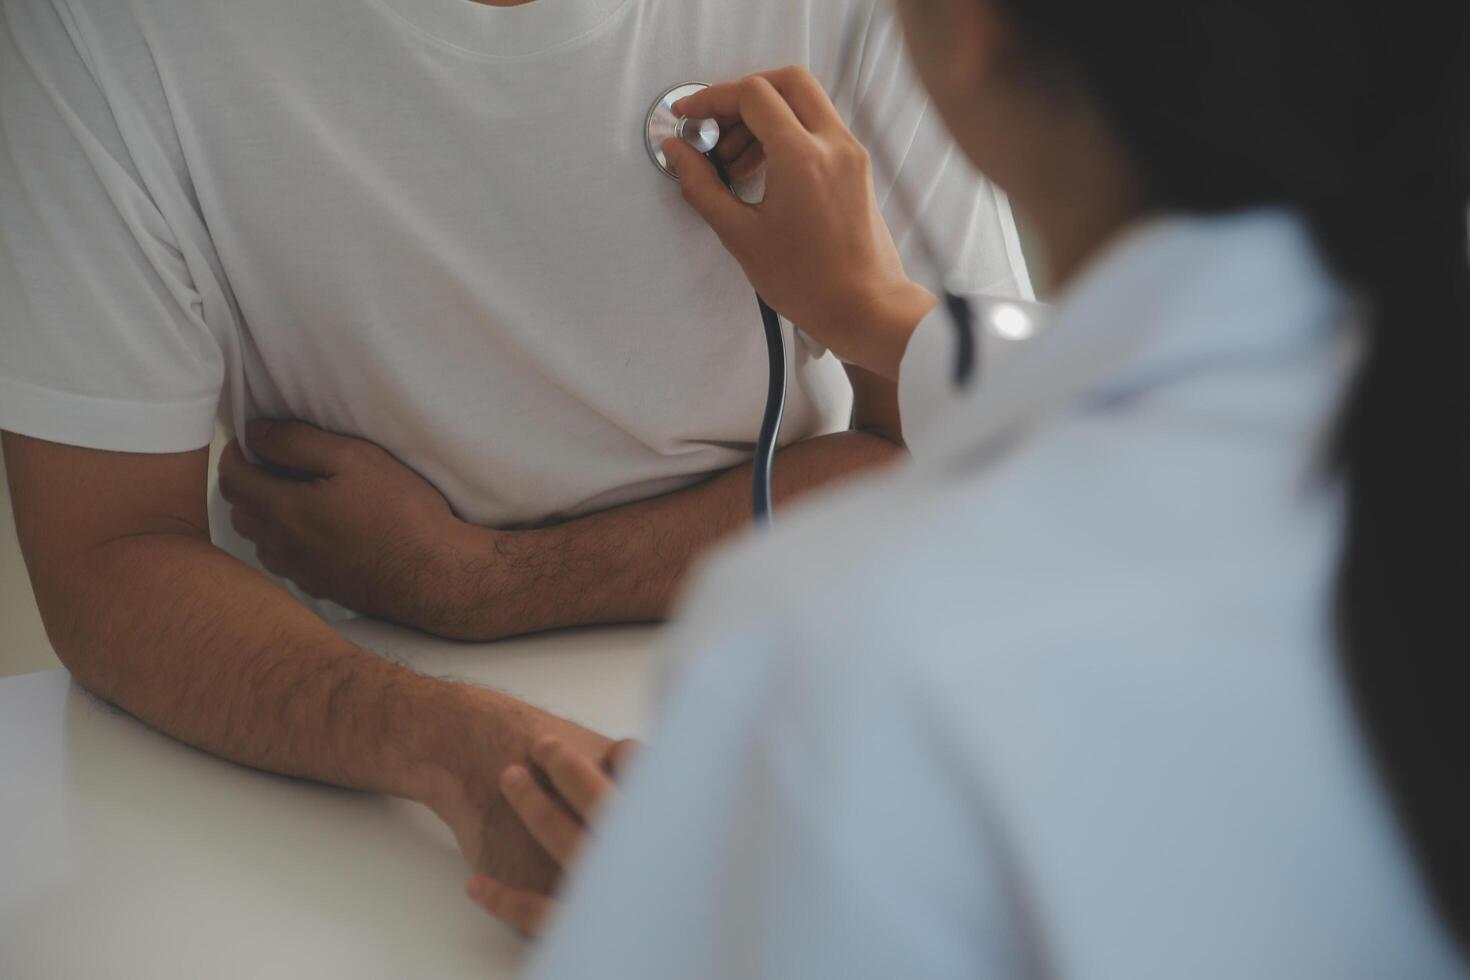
x=556, y=803
x=817, y=248
x=345, y=521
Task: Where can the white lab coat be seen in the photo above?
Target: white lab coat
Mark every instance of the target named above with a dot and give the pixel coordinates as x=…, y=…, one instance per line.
x=1058, y=700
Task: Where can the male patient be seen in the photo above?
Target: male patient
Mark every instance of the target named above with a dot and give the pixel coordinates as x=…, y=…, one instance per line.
x=524, y=379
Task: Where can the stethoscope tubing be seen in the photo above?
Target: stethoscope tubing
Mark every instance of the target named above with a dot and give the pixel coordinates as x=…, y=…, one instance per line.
x=959, y=309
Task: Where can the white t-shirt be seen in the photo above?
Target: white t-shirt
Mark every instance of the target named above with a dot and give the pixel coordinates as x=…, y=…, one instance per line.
x=1067, y=707
x=430, y=223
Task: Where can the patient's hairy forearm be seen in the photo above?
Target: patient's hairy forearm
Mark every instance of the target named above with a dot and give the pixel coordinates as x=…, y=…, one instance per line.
x=209, y=651
x=148, y=614
x=201, y=646
x=626, y=564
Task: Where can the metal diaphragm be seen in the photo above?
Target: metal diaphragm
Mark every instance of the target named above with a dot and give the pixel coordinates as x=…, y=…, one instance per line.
x=664, y=124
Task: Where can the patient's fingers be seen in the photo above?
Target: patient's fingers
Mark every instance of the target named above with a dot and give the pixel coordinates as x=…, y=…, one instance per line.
x=300, y=447
x=575, y=777
x=526, y=911
x=547, y=818
x=273, y=561
x=246, y=485
x=247, y=525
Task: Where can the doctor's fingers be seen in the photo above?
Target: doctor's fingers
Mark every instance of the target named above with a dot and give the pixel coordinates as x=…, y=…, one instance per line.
x=522, y=910
x=750, y=101
x=735, y=139
x=303, y=448
x=730, y=217
x=549, y=821
x=577, y=779
x=740, y=152
x=753, y=101
x=620, y=756
x=748, y=164
x=806, y=96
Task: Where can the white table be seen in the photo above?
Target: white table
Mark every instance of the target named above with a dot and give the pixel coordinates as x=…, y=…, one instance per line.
x=126, y=854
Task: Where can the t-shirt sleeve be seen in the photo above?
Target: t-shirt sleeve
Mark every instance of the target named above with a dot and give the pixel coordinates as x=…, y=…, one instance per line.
x=103, y=342
x=785, y=822
x=927, y=187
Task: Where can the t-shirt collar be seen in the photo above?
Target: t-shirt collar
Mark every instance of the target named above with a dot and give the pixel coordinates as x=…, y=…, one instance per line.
x=521, y=31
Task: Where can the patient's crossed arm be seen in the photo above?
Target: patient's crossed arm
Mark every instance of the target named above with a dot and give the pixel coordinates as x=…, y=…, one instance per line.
x=354, y=525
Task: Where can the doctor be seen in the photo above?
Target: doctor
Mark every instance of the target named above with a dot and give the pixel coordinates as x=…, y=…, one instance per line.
x=1151, y=666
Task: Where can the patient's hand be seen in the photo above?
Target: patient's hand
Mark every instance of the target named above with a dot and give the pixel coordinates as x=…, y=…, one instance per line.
x=557, y=812
x=345, y=521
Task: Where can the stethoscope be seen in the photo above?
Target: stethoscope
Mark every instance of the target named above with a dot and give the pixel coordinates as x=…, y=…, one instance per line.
x=1009, y=319
x=662, y=125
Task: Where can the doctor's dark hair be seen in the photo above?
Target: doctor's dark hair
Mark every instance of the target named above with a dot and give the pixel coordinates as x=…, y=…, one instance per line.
x=1354, y=113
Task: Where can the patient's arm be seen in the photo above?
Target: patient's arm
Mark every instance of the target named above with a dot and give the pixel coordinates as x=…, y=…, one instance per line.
x=146, y=613
x=370, y=534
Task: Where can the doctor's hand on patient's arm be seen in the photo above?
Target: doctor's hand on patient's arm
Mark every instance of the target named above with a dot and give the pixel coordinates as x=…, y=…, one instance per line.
x=817, y=248
x=556, y=804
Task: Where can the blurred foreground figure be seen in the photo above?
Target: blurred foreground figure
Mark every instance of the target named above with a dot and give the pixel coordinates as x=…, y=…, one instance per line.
x=1151, y=667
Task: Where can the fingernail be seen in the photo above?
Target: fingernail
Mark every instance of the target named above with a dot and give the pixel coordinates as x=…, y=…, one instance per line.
x=479, y=888
x=544, y=744
x=512, y=776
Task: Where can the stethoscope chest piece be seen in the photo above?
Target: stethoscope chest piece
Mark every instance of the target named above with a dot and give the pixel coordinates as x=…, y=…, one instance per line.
x=663, y=124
